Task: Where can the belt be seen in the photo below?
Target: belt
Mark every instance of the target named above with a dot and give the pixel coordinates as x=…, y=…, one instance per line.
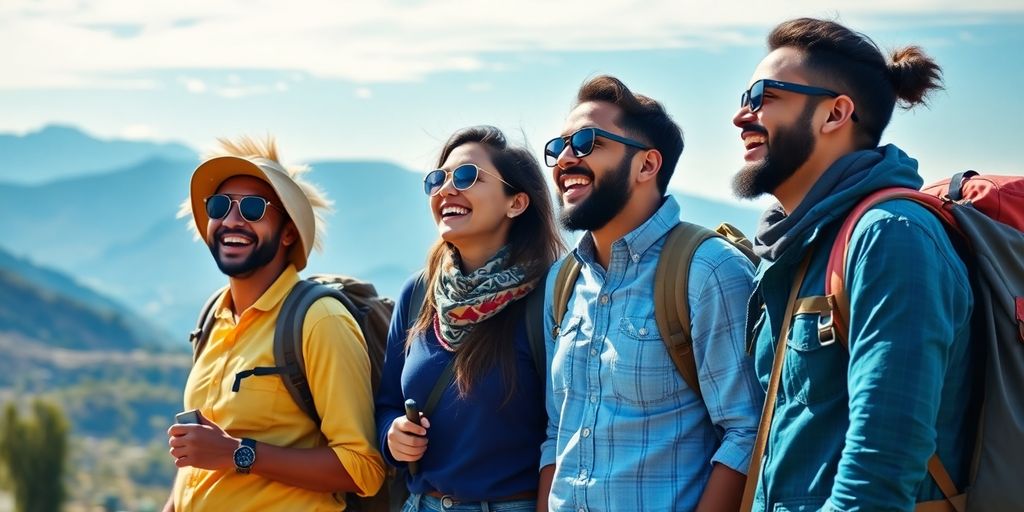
x=527, y=495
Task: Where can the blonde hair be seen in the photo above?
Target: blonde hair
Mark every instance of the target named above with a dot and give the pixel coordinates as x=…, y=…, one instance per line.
x=249, y=148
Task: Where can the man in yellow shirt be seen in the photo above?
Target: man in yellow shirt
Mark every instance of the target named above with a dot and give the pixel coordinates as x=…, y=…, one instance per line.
x=254, y=448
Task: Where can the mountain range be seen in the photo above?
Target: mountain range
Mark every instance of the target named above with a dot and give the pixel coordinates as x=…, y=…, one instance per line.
x=116, y=230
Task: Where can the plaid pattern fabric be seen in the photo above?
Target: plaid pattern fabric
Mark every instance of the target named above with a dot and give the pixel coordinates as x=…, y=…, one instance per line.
x=625, y=432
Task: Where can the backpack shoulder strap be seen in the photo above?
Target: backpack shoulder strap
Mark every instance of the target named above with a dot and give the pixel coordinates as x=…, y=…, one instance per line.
x=288, y=340
x=415, y=304
x=204, y=324
x=671, y=304
x=535, y=329
x=565, y=281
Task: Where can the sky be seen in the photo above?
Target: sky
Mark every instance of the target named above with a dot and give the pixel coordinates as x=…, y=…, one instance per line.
x=392, y=79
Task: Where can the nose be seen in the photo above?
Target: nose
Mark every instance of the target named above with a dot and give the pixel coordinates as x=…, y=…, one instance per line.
x=743, y=117
x=566, y=158
x=448, y=186
x=234, y=217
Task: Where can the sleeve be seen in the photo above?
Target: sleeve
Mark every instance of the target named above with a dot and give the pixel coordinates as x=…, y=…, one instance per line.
x=547, y=448
x=390, y=401
x=720, y=285
x=338, y=370
x=902, y=329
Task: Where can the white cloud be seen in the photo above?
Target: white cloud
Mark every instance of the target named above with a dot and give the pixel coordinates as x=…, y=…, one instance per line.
x=194, y=85
x=364, y=93
x=71, y=44
x=139, y=132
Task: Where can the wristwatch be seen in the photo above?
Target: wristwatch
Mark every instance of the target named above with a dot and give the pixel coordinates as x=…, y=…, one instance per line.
x=245, y=455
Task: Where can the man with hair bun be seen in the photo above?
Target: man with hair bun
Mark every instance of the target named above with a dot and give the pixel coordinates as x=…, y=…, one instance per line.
x=849, y=428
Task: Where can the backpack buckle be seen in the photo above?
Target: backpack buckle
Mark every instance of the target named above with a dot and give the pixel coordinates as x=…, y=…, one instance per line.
x=193, y=336
x=826, y=330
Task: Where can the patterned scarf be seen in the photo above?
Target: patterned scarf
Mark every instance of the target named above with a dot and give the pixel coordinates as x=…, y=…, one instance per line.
x=465, y=300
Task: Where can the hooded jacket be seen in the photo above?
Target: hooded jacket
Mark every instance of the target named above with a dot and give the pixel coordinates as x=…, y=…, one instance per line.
x=854, y=430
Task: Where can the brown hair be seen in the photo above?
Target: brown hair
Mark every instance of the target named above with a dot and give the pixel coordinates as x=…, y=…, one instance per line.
x=533, y=241
x=642, y=118
x=850, y=63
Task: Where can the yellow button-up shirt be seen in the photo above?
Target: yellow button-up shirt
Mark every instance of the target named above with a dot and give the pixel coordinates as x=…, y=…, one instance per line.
x=338, y=371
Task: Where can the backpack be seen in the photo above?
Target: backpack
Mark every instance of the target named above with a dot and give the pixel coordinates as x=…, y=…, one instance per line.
x=371, y=312
x=986, y=214
x=671, y=287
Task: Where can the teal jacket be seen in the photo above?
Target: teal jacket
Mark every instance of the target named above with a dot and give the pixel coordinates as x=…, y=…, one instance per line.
x=854, y=430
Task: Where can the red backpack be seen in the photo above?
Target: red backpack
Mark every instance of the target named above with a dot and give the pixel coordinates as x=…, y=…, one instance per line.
x=986, y=214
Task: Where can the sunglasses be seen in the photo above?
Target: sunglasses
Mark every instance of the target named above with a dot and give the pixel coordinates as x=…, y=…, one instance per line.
x=753, y=98
x=582, y=144
x=463, y=177
x=251, y=208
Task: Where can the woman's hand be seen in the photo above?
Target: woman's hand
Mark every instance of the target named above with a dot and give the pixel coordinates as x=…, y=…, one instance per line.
x=407, y=440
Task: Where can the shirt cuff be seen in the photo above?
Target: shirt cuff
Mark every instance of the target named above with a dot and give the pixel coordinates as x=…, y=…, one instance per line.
x=733, y=455
x=367, y=471
x=547, y=453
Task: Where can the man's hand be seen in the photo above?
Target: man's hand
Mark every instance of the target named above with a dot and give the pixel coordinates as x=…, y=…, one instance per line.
x=204, y=446
x=407, y=441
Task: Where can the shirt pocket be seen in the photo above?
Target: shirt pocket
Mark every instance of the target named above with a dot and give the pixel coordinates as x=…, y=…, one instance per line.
x=254, y=405
x=808, y=504
x=642, y=371
x=565, y=347
x=812, y=373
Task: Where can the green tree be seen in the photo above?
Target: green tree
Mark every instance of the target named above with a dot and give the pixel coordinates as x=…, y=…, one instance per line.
x=34, y=450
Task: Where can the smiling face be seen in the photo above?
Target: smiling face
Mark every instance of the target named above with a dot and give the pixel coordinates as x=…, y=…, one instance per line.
x=779, y=138
x=595, y=188
x=239, y=247
x=479, y=214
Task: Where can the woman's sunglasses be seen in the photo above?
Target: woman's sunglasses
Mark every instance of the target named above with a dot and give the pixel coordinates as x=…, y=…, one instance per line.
x=753, y=98
x=582, y=144
x=251, y=208
x=463, y=177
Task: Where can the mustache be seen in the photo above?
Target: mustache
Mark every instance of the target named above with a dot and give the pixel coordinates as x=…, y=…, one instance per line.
x=576, y=170
x=222, y=232
x=755, y=128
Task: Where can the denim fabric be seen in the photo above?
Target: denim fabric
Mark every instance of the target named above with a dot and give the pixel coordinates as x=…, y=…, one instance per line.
x=423, y=502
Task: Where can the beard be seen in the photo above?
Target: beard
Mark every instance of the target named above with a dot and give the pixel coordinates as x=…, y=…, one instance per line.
x=261, y=255
x=788, y=149
x=608, y=197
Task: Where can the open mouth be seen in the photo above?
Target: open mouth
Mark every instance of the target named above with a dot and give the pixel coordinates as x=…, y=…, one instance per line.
x=753, y=141
x=454, y=211
x=574, y=186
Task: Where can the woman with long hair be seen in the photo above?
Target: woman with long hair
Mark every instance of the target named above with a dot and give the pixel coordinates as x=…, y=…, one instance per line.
x=459, y=332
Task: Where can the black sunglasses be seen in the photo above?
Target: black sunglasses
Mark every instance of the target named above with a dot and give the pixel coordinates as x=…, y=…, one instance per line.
x=463, y=177
x=753, y=98
x=251, y=208
x=582, y=144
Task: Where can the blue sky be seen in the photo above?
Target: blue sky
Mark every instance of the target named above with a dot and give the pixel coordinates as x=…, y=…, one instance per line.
x=392, y=79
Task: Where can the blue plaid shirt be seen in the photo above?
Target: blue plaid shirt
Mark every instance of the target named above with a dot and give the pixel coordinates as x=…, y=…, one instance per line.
x=625, y=431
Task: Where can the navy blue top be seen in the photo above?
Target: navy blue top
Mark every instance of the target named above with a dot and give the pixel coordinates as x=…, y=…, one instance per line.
x=480, y=447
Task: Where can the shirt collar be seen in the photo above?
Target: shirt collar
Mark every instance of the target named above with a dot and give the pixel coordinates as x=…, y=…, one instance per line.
x=270, y=298
x=641, y=238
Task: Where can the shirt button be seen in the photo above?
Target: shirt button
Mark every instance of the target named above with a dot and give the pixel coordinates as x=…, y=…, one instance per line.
x=583, y=473
x=642, y=331
x=581, y=509
x=586, y=432
x=593, y=351
x=604, y=299
x=636, y=258
x=593, y=399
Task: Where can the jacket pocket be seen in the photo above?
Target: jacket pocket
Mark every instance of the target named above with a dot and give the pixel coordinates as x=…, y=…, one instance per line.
x=642, y=371
x=812, y=373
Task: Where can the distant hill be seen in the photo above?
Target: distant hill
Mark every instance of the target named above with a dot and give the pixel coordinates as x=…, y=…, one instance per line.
x=56, y=152
x=116, y=231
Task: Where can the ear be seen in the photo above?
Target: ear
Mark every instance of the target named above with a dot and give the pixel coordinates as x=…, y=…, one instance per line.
x=520, y=202
x=290, y=235
x=650, y=165
x=840, y=115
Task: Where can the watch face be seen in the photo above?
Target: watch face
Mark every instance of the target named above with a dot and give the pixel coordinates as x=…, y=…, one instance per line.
x=245, y=457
